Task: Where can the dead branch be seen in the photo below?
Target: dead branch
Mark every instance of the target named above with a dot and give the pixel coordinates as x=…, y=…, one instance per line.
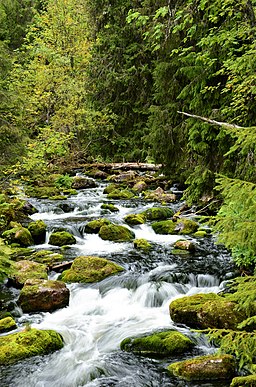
x=213, y=122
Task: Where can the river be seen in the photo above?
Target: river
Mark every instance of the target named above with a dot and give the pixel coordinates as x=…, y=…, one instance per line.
x=101, y=315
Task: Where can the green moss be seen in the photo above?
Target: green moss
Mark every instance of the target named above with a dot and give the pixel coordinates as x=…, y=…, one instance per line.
x=33, y=342
x=116, y=233
x=158, y=345
x=200, y=234
x=204, y=368
x=94, y=226
x=38, y=230
x=164, y=227
x=134, y=219
x=182, y=226
x=42, y=192
x=109, y=207
x=62, y=238
x=19, y=235
x=118, y=194
x=57, y=197
x=7, y=324
x=242, y=291
x=244, y=381
x=142, y=244
x=158, y=213
x=27, y=270
x=46, y=257
x=110, y=188
x=87, y=269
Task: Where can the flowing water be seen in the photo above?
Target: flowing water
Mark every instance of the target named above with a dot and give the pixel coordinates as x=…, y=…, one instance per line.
x=101, y=315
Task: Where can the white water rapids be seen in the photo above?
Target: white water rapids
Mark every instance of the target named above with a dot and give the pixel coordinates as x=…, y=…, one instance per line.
x=100, y=316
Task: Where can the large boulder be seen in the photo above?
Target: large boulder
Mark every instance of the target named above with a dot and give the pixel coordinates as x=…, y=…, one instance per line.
x=43, y=296
x=88, y=269
x=159, y=195
x=18, y=235
x=115, y=233
x=133, y=219
x=140, y=186
x=159, y=344
x=24, y=270
x=7, y=324
x=210, y=367
x=93, y=227
x=80, y=182
x=182, y=226
x=158, y=213
x=62, y=238
x=31, y=342
x=205, y=311
x=38, y=231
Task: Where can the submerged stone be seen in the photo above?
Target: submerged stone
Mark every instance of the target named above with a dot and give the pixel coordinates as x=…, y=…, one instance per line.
x=87, y=269
x=210, y=367
x=116, y=233
x=62, y=238
x=205, y=311
x=43, y=296
x=28, y=343
x=160, y=344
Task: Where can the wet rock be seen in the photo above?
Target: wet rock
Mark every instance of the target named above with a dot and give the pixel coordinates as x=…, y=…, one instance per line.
x=205, y=311
x=133, y=219
x=142, y=244
x=47, y=257
x=43, y=296
x=159, y=345
x=109, y=207
x=38, y=231
x=158, y=213
x=244, y=381
x=32, y=342
x=94, y=226
x=164, y=227
x=205, y=368
x=200, y=234
x=62, y=238
x=80, y=182
x=25, y=270
x=182, y=226
x=185, y=245
x=7, y=324
x=88, y=269
x=111, y=187
x=160, y=195
x=97, y=174
x=123, y=177
x=122, y=194
x=140, y=186
x=116, y=233
x=18, y=234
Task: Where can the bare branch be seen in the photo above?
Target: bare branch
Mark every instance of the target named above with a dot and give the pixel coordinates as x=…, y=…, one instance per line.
x=213, y=122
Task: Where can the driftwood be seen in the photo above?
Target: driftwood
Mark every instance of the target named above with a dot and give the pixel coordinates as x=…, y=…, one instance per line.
x=124, y=166
x=213, y=122
x=61, y=266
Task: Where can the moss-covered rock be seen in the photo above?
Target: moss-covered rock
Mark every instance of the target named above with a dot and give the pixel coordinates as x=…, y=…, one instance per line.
x=182, y=226
x=38, y=231
x=109, y=207
x=122, y=194
x=80, y=182
x=133, y=219
x=62, y=238
x=205, y=311
x=94, y=226
x=158, y=213
x=87, y=269
x=31, y=342
x=115, y=233
x=244, y=381
x=142, y=244
x=19, y=235
x=96, y=174
x=160, y=344
x=140, y=186
x=43, y=192
x=185, y=245
x=205, y=368
x=123, y=177
x=110, y=188
x=43, y=296
x=159, y=195
x=25, y=270
x=7, y=324
x=47, y=257
x=200, y=234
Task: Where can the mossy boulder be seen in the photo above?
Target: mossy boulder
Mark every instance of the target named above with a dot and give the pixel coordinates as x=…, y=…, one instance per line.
x=211, y=367
x=43, y=192
x=184, y=245
x=205, y=311
x=88, y=269
x=7, y=324
x=120, y=194
x=62, y=238
x=158, y=345
x=109, y=207
x=116, y=233
x=244, y=381
x=140, y=186
x=159, y=195
x=25, y=270
x=158, y=213
x=200, y=234
x=182, y=226
x=110, y=188
x=43, y=296
x=31, y=342
x=142, y=244
x=80, y=182
x=96, y=174
x=123, y=177
x=38, y=231
x=94, y=226
x=133, y=219
x=18, y=235
x=47, y=257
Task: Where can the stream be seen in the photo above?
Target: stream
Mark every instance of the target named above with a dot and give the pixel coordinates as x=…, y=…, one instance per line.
x=135, y=302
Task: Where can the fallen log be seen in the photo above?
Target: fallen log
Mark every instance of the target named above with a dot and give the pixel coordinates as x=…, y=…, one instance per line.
x=124, y=166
